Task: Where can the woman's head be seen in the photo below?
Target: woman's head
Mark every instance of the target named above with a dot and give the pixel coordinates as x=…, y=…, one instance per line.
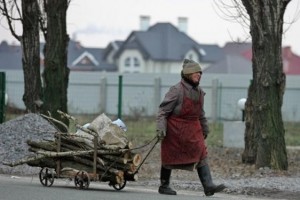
x=190, y=66
x=191, y=72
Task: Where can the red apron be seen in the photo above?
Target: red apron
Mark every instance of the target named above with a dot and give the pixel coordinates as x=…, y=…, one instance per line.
x=184, y=142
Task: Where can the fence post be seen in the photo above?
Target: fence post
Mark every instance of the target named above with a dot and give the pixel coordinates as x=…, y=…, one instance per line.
x=214, y=98
x=2, y=96
x=157, y=93
x=103, y=94
x=120, y=97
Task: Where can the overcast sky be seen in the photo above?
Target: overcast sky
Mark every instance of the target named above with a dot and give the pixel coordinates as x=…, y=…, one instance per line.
x=95, y=23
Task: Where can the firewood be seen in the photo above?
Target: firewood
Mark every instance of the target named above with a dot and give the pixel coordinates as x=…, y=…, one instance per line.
x=116, y=159
x=130, y=176
x=102, y=150
x=49, y=146
x=135, y=159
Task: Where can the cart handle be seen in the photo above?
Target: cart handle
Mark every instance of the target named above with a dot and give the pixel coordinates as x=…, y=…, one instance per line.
x=157, y=141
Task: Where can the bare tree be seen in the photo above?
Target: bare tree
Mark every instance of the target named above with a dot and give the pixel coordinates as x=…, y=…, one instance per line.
x=28, y=15
x=52, y=22
x=264, y=134
x=56, y=72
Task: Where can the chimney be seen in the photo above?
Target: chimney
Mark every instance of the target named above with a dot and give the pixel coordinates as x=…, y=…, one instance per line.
x=182, y=24
x=144, y=23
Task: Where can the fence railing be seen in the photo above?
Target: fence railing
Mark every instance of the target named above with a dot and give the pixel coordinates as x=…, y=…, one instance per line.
x=97, y=92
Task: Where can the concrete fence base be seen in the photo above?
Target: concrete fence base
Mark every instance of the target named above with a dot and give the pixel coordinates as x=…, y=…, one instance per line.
x=233, y=134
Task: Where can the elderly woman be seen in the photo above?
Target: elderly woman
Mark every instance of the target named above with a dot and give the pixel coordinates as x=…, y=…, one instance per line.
x=182, y=128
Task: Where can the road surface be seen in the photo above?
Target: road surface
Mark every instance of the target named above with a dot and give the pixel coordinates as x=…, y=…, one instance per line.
x=29, y=188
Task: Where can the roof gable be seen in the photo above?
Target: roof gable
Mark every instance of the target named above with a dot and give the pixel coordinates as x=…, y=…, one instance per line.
x=231, y=64
x=112, y=47
x=163, y=41
x=83, y=58
x=237, y=47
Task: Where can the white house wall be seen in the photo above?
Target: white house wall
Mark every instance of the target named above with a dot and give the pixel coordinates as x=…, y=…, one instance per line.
x=131, y=54
x=191, y=54
x=163, y=67
x=110, y=56
x=194, y=56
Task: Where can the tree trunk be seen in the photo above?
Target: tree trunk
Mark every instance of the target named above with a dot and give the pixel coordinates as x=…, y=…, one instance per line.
x=56, y=73
x=30, y=43
x=264, y=135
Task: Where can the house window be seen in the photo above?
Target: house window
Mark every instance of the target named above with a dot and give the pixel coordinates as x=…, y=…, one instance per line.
x=202, y=52
x=136, y=62
x=85, y=61
x=127, y=62
x=132, y=64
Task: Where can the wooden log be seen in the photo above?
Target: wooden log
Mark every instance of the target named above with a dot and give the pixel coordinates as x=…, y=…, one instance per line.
x=63, y=154
x=24, y=160
x=72, y=135
x=71, y=147
x=77, y=142
x=115, y=159
x=68, y=172
x=75, y=165
x=130, y=176
x=135, y=159
x=109, y=147
x=129, y=145
x=118, y=176
x=55, y=120
x=129, y=167
x=45, y=162
x=49, y=146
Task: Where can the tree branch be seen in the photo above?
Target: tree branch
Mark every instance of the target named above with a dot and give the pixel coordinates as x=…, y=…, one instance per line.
x=9, y=19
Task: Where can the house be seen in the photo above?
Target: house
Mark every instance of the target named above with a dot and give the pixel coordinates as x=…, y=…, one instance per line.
x=87, y=59
x=291, y=62
x=10, y=56
x=152, y=49
x=231, y=64
x=79, y=57
x=160, y=49
x=233, y=61
x=238, y=60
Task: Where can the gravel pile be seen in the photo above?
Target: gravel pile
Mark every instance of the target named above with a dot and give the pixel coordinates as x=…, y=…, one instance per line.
x=225, y=164
x=14, y=135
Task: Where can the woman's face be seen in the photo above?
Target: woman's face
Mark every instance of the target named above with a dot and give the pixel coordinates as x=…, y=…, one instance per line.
x=195, y=77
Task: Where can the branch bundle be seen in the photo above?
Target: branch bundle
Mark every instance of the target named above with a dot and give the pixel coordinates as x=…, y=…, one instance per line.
x=101, y=149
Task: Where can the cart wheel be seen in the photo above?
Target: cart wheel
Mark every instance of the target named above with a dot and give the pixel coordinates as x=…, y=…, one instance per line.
x=120, y=186
x=46, y=176
x=82, y=180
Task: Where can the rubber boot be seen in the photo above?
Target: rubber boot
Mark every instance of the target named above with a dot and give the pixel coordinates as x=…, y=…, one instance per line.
x=164, y=187
x=205, y=177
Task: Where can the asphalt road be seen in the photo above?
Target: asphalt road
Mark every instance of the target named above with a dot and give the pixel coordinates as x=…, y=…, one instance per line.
x=29, y=188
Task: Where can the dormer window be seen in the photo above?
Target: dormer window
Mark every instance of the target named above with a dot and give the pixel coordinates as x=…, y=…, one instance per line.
x=202, y=52
x=127, y=62
x=85, y=61
x=132, y=64
x=136, y=62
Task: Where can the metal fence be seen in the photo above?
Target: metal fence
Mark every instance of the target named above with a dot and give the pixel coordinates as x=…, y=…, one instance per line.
x=2, y=96
x=97, y=92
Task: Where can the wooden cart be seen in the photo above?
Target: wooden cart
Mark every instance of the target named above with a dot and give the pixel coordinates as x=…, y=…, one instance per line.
x=115, y=174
